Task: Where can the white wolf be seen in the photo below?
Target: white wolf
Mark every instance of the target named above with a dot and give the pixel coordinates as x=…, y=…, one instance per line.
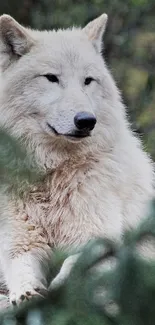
x=58, y=97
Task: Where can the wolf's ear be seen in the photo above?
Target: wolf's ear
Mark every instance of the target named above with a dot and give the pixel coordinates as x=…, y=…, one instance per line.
x=95, y=30
x=14, y=39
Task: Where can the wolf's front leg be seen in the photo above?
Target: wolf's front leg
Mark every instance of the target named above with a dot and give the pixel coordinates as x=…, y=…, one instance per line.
x=25, y=278
x=24, y=258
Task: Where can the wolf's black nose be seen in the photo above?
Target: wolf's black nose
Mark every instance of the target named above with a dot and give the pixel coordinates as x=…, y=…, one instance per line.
x=84, y=120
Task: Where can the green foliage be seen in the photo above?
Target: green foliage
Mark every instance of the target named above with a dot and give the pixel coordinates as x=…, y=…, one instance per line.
x=15, y=165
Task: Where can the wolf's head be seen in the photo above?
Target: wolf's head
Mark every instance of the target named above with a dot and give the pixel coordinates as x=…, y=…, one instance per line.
x=55, y=85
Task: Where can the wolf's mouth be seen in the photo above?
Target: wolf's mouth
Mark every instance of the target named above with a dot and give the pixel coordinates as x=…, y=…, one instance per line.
x=76, y=134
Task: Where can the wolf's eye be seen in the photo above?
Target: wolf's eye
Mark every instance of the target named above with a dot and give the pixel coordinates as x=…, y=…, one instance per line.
x=88, y=81
x=52, y=77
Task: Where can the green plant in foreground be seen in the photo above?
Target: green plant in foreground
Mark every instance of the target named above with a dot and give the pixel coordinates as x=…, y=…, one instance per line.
x=16, y=166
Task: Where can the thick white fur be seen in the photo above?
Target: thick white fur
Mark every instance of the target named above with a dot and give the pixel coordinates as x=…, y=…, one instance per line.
x=99, y=186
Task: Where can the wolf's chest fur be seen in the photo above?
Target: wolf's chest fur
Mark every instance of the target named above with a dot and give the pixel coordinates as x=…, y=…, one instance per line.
x=75, y=203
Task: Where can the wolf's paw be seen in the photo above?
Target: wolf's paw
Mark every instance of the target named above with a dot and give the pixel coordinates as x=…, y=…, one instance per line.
x=64, y=271
x=26, y=291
